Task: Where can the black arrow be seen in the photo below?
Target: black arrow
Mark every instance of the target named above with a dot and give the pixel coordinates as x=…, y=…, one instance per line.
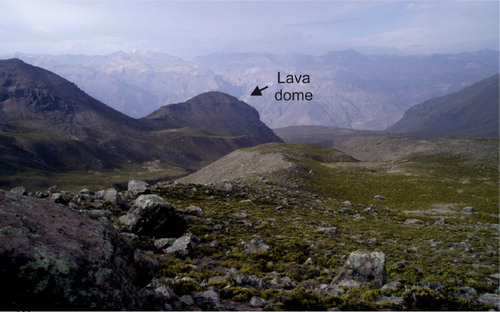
x=257, y=91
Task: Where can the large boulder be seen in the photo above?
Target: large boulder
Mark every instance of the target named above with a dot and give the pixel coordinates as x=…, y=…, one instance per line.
x=363, y=266
x=151, y=215
x=137, y=187
x=112, y=196
x=53, y=257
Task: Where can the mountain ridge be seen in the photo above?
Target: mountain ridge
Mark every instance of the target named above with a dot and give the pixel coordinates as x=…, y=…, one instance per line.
x=21, y=81
x=49, y=124
x=470, y=112
x=351, y=89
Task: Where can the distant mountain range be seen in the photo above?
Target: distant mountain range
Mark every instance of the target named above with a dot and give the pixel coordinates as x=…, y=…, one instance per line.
x=351, y=90
x=470, y=112
x=48, y=123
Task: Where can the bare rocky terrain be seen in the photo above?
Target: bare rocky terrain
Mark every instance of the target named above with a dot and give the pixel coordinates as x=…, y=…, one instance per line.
x=241, y=164
x=391, y=148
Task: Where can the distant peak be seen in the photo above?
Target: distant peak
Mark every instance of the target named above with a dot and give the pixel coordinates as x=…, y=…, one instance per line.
x=215, y=96
x=12, y=61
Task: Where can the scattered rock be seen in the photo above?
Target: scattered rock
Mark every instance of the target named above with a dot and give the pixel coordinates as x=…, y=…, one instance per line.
x=208, y=300
x=392, y=302
x=378, y=197
x=432, y=285
x=186, y=300
x=414, y=222
x=327, y=230
x=53, y=189
x=163, y=243
x=495, y=276
x=194, y=210
x=19, y=190
x=63, y=260
x=348, y=284
x=468, y=292
x=86, y=191
x=491, y=299
x=238, y=279
x=60, y=198
x=183, y=246
x=112, y=196
x=346, y=203
x=137, y=187
x=256, y=245
x=158, y=297
x=151, y=215
x=346, y=211
x=468, y=209
x=363, y=266
x=283, y=282
x=358, y=217
x=241, y=215
x=440, y=222
x=218, y=227
x=393, y=286
x=258, y=302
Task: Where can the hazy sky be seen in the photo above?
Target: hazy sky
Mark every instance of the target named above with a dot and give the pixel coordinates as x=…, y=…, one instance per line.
x=190, y=28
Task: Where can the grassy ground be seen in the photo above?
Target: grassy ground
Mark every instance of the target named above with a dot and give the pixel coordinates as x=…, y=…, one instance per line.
x=74, y=181
x=286, y=208
x=287, y=211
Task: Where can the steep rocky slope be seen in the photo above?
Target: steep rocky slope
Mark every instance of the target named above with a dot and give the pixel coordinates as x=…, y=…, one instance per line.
x=32, y=93
x=470, y=112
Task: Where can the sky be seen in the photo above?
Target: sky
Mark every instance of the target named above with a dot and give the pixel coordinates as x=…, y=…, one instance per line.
x=191, y=28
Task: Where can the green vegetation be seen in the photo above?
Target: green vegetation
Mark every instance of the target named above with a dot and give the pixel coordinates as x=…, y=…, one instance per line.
x=462, y=252
x=284, y=209
x=74, y=181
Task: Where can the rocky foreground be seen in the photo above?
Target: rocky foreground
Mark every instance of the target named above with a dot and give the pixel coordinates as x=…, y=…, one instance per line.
x=231, y=246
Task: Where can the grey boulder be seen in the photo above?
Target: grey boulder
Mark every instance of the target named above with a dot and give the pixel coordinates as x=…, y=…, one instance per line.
x=151, y=215
x=363, y=266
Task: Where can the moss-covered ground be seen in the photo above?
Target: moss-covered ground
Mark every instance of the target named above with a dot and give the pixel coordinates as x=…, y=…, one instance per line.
x=286, y=208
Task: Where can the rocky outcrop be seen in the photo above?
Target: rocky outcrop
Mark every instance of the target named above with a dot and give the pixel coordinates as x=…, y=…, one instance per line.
x=151, y=215
x=55, y=257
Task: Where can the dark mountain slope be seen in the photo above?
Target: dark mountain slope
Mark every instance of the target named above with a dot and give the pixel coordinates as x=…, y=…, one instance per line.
x=32, y=93
x=215, y=112
x=47, y=123
x=471, y=112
